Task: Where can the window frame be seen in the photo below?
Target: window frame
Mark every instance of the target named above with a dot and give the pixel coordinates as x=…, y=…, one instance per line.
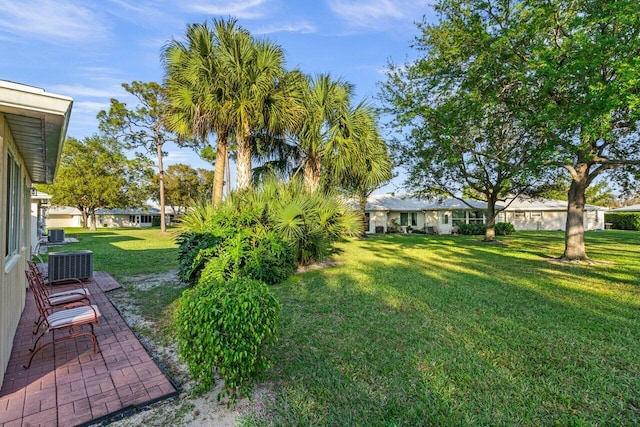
x=14, y=205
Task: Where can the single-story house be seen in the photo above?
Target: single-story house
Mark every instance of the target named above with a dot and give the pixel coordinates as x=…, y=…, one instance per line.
x=441, y=214
x=547, y=214
x=632, y=208
x=33, y=127
x=66, y=216
x=433, y=215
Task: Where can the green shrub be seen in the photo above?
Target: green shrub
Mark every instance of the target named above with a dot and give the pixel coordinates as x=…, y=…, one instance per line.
x=473, y=228
x=504, y=228
x=227, y=326
x=623, y=220
x=264, y=256
x=192, y=247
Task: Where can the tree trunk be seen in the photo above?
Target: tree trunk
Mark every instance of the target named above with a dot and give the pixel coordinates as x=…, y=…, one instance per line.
x=490, y=233
x=243, y=160
x=228, y=174
x=85, y=218
x=312, y=174
x=362, y=201
x=218, y=173
x=574, y=233
x=94, y=222
x=163, y=222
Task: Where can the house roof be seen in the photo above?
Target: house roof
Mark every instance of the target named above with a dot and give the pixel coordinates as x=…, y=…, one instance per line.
x=388, y=202
x=63, y=210
x=632, y=208
x=38, y=121
x=524, y=203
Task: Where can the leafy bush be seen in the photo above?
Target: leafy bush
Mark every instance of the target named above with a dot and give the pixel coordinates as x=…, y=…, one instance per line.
x=308, y=222
x=227, y=325
x=263, y=256
x=473, y=228
x=501, y=228
x=504, y=228
x=623, y=220
x=231, y=242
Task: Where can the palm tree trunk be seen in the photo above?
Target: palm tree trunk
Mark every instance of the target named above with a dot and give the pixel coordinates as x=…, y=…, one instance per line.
x=218, y=173
x=574, y=248
x=312, y=174
x=163, y=222
x=243, y=159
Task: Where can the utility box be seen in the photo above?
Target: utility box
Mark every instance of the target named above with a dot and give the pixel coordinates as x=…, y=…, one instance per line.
x=55, y=235
x=76, y=264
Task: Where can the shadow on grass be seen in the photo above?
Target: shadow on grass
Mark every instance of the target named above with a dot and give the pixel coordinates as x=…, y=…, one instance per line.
x=446, y=331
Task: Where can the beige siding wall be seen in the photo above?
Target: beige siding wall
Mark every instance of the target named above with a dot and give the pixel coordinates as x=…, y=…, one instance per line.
x=12, y=278
x=63, y=221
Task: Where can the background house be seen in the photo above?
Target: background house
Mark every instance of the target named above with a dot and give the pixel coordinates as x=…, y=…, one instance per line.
x=547, y=214
x=632, y=208
x=67, y=216
x=433, y=215
x=33, y=126
x=442, y=214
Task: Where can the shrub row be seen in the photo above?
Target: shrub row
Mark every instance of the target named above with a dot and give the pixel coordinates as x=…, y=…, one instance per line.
x=623, y=220
x=501, y=228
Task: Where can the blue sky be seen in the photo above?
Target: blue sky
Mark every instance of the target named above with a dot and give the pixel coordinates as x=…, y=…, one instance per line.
x=86, y=48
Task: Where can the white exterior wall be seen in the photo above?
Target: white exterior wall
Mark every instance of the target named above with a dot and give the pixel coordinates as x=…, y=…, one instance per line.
x=550, y=220
x=12, y=278
x=63, y=221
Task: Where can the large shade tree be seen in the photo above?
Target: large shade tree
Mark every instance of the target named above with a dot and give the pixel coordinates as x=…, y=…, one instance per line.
x=95, y=174
x=573, y=73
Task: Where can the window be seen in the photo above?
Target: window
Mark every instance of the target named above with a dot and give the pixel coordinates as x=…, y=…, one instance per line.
x=445, y=219
x=536, y=215
x=458, y=217
x=405, y=217
x=476, y=217
x=518, y=215
x=14, y=195
x=367, y=221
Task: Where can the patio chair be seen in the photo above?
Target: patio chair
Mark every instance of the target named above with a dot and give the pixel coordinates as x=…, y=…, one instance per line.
x=68, y=285
x=55, y=300
x=70, y=320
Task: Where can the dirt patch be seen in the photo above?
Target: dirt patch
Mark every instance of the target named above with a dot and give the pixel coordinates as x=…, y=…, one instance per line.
x=317, y=266
x=186, y=410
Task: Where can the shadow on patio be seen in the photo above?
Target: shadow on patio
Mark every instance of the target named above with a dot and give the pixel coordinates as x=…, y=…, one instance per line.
x=69, y=385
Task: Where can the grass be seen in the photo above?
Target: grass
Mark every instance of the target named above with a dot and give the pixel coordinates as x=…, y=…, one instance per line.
x=441, y=330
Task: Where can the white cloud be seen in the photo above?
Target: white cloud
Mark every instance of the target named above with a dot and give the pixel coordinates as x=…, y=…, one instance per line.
x=85, y=91
x=242, y=9
x=375, y=13
x=50, y=19
x=300, y=27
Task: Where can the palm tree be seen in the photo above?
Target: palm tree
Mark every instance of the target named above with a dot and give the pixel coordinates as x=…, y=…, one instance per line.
x=327, y=102
x=262, y=96
x=198, y=88
x=365, y=164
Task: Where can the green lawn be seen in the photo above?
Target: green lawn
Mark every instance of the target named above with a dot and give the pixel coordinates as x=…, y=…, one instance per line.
x=441, y=330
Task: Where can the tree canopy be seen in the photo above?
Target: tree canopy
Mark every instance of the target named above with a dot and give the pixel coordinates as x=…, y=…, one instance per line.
x=565, y=71
x=95, y=174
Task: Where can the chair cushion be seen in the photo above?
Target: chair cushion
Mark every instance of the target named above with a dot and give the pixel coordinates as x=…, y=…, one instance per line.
x=81, y=291
x=73, y=316
x=65, y=299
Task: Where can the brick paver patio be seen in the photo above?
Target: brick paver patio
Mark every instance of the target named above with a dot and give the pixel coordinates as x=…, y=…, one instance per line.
x=68, y=385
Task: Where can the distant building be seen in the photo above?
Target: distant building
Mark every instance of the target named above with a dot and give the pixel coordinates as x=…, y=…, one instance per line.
x=442, y=214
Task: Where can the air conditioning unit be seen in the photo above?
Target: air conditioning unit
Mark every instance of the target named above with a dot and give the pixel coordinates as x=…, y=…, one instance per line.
x=56, y=235
x=78, y=264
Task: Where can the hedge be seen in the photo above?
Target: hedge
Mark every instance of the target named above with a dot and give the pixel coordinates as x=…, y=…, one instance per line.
x=623, y=220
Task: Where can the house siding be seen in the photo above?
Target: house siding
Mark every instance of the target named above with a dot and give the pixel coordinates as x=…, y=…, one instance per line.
x=12, y=278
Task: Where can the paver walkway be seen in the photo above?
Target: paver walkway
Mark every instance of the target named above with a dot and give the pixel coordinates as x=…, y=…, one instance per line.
x=68, y=385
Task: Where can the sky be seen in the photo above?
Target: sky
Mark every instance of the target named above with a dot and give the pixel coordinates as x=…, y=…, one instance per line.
x=86, y=49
